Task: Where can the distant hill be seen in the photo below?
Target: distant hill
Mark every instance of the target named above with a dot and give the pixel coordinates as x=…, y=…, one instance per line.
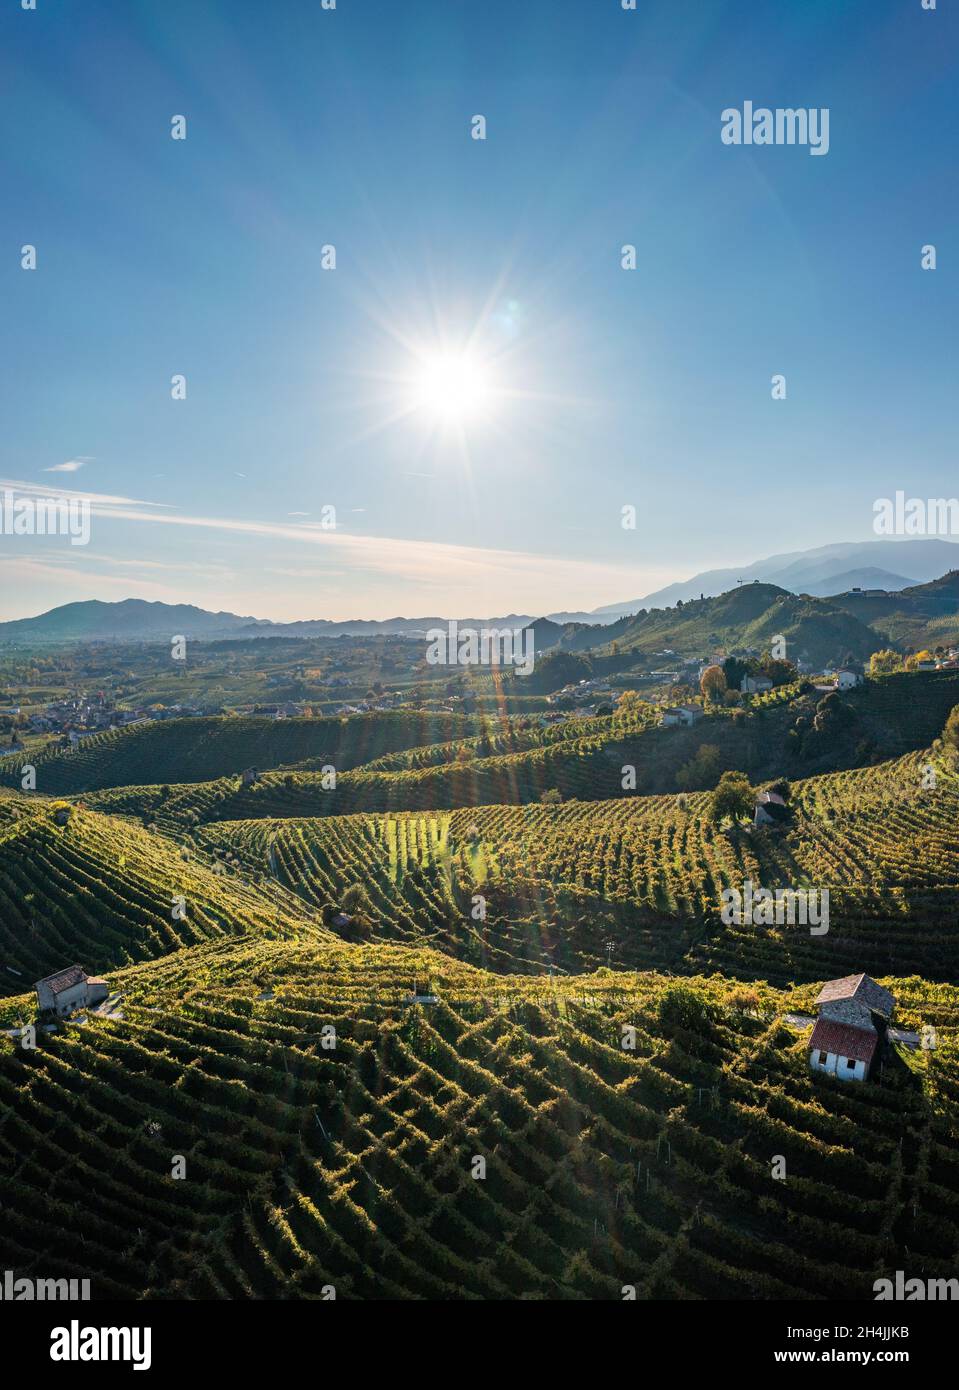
x=132, y=619
x=815, y=630
x=824, y=573
x=924, y=615
x=136, y=620
x=869, y=577
x=825, y=570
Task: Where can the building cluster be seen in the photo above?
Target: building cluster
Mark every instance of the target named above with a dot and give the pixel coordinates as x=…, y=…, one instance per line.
x=584, y=697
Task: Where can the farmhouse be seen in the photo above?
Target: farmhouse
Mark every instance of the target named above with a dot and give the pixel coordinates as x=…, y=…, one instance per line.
x=847, y=680
x=770, y=809
x=853, y=1015
x=70, y=989
x=681, y=714
x=755, y=685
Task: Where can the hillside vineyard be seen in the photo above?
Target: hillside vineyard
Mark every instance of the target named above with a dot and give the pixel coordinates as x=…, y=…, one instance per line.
x=394, y=911
x=328, y=1020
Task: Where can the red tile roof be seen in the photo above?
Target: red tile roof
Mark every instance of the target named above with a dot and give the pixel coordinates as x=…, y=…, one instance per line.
x=843, y=1041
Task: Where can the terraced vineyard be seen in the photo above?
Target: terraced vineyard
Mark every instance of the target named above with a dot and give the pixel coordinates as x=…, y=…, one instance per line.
x=199, y=750
x=361, y=1165
x=334, y=1131
x=584, y=760
x=639, y=880
x=103, y=892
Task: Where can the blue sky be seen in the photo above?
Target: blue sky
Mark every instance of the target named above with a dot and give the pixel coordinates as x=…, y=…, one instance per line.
x=308, y=128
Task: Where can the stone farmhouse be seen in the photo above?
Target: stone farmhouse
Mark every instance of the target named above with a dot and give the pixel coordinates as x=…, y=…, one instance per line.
x=854, y=1013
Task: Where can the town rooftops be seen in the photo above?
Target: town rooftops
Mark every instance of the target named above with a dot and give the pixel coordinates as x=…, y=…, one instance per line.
x=64, y=979
x=842, y=1040
x=860, y=988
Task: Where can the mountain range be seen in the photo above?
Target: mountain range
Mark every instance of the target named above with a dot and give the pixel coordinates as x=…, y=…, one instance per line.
x=827, y=570
x=866, y=578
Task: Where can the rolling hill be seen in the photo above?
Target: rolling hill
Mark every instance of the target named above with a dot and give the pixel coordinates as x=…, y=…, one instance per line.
x=639, y=880
x=751, y=616
x=196, y=750
x=883, y=719
x=500, y=1143
x=101, y=892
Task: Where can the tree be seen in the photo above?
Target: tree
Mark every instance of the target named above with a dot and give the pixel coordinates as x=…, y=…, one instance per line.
x=355, y=899
x=833, y=715
x=680, y=1006
x=734, y=669
x=733, y=797
x=913, y=661
x=551, y=798
x=712, y=683
x=743, y=1000
x=779, y=671
x=552, y=672
x=702, y=769
x=883, y=663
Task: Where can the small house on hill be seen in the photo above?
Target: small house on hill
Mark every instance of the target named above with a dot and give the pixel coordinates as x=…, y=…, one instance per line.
x=847, y=679
x=854, y=1013
x=755, y=685
x=248, y=776
x=770, y=809
x=681, y=714
x=69, y=990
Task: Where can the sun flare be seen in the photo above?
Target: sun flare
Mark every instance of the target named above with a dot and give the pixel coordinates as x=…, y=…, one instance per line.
x=452, y=387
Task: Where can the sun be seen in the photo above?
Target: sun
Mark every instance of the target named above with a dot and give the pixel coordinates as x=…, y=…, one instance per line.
x=452, y=386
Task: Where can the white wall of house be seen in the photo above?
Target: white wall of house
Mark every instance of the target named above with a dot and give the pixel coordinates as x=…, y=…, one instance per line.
x=846, y=1068
x=73, y=998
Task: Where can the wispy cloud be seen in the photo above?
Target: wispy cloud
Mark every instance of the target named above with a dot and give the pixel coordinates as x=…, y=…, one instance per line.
x=477, y=579
x=71, y=466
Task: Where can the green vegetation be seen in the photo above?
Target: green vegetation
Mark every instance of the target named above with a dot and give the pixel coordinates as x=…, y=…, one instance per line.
x=352, y=1165
x=615, y=1052
x=198, y=750
x=102, y=892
